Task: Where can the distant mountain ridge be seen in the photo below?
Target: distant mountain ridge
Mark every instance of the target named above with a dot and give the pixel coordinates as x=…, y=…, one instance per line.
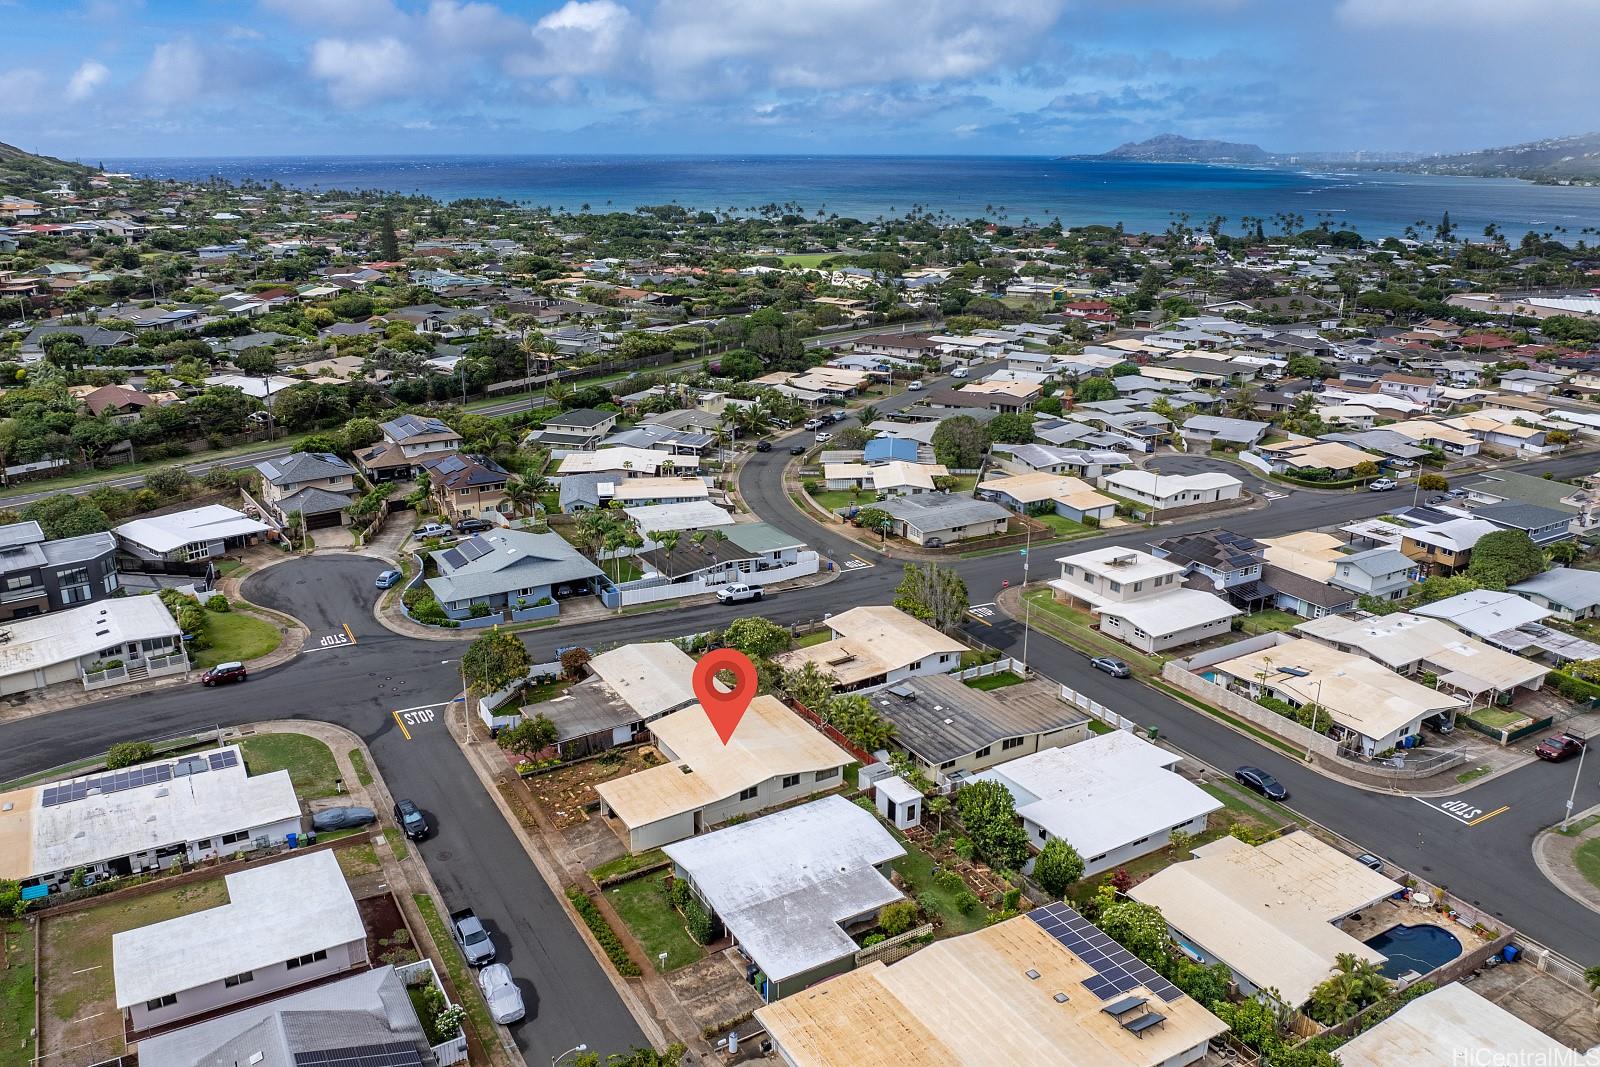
x=22, y=172
x=1175, y=148
x=1554, y=158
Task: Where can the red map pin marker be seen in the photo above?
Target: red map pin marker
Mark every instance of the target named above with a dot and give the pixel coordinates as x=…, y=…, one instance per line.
x=725, y=709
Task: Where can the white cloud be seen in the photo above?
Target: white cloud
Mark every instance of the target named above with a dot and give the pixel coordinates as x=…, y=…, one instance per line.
x=176, y=73
x=21, y=90
x=86, y=79
x=580, y=38
x=349, y=14
x=359, y=71
x=1467, y=14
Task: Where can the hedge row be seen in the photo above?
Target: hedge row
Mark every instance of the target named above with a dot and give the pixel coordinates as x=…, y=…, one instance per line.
x=1573, y=688
x=589, y=911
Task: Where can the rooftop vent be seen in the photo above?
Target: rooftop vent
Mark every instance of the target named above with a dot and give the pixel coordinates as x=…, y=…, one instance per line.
x=685, y=768
x=1061, y=998
x=1032, y=974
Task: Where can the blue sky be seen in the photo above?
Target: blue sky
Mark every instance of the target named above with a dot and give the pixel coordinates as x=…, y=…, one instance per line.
x=89, y=78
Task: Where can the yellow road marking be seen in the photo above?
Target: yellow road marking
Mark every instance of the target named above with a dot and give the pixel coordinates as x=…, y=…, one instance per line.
x=1490, y=815
x=401, y=723
x=979, y=618
x=347, y=632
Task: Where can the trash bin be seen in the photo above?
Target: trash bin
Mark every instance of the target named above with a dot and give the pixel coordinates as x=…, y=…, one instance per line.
x=292, y=840
x=1510, y=953
x=1155, y=733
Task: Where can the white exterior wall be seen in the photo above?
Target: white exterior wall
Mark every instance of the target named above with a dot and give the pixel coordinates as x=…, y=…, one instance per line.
x=1038, y=835
x=769, y=793
x=942, y=663
x=1126, y=631
x=972, y=763
x=211, y=847
x=214, y=995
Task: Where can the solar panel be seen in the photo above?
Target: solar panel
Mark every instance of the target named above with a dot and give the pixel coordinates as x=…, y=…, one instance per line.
x=396, y=1054
x=226, y=758
x=1117, y=971
x=112, y=782
x=454, y=558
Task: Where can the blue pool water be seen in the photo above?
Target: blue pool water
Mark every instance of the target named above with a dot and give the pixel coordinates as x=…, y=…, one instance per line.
x=1415, y=948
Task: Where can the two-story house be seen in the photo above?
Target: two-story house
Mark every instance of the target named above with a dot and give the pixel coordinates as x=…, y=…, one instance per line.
x=1230, y=562
x=464, y=485
x=1445, y=547
x=407, y=441
x=38, y=576
x=1384, y=573
x=1140, y=599
x=581, y=429
x=319, y=486
x=1415, y=388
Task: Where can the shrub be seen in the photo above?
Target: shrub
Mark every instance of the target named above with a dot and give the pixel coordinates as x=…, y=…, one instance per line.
x=702, y=927
x=127, y=753
x=595, y=920
x=1012, y=900
x=962, y=846
x=898, y=917
x=873, y=939
x=1057, y=866
x=678, y=893
x=949, y=881
x=967, y=902
x=928, y=904
x=218, y=603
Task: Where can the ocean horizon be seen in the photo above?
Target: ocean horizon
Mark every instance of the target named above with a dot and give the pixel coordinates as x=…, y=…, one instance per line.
x=1140, y=196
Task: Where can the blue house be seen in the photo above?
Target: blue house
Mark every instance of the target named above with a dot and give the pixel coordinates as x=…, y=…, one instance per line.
x=884, y=449
x=524, y=574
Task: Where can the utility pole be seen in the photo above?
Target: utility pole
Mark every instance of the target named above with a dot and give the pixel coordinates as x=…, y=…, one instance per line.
x=1565, y=819
x=1027, y=607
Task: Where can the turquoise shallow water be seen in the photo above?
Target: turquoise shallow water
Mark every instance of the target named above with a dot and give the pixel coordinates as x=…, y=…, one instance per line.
x=1142, y=196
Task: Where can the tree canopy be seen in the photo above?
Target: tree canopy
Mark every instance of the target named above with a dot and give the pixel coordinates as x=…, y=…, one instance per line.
x=1504, y=558
x=495, y=660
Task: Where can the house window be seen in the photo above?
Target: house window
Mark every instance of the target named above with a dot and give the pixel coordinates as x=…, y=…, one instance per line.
x=235, y=837
x=748, y=794
x=1115, y=587
x=984, y=751
x=14, y=584
x=1010, y=743
x=1043, y=834
x=308, y=959
x=1138, y=587
x=947, y=764
x=238, y=979
x=204, y=842
x=831, y=772
x=790, y=781
x=161, y=1002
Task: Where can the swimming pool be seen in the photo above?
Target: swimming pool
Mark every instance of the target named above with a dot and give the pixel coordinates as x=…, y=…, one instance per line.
x=1418, y=948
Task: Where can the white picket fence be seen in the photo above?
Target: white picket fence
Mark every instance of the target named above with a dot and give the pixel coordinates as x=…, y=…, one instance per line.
x=489, y=706
x=648, y=590
x=1097, y=709
x=999, y=666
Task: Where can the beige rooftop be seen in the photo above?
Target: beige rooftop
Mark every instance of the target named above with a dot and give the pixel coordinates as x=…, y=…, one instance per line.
x=1268, y=911
x=1436, y=1028
x=1402, y=639
x=1035, y=486
x=770, y=741
x=872, y=640
x=1309, y=553
x=968, y=1002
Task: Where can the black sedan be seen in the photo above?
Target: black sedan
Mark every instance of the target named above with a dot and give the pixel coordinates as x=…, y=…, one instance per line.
x=1260, y=781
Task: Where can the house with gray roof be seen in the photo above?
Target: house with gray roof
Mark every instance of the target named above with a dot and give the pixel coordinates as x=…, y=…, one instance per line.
x=1569, y=592
x=318, y=485
x=949, y=728
x=943, y=518
x=706, y=559
x=41, y=575
x=1202, y=430
x=33, y=345
x=1385, y=573
x=1544, y=525
x=408, y=440
x=525, y=573
x=580, y=429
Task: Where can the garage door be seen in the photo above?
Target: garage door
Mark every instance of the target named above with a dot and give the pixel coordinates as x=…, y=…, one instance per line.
x=322, y=522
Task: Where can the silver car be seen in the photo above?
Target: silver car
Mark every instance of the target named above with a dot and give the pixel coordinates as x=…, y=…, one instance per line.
x=501, y=993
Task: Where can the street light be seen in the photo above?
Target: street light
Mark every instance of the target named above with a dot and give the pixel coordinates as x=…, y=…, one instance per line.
x=1027, y=605
x=1574, y=794
x=579, y=1047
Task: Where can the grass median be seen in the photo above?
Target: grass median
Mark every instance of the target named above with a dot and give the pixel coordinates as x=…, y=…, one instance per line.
x=467, y=992
x=310, y=763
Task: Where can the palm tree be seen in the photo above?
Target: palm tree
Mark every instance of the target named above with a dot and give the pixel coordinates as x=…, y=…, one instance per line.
x=868, y=415
x=519, y=494
x=1592, y=977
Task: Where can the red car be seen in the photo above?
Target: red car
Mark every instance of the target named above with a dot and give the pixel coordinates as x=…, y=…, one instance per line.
x=1557, y=748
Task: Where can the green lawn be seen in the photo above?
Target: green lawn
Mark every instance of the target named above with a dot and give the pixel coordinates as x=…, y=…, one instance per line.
x=1498, y=718
x=397, y=842
x=1574, y=829
x=998, y=680
x=1061, y=525
x=973, y=657
x=655, y=923
x=1466, y=776
x=1266, y=812
x=817, y=638
x=16, y=993
x=1270, y=620
x=834, y=499
x=310, y=763
x=916, y=869
x=1076, y=628
x=545, y=690
x=808, y=260
x=633, y=861
x=1098, y=727
x=233, y=635
x=1587, y=858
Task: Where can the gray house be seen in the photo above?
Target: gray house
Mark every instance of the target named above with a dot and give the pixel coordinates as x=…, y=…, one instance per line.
x=318, y=485
x=944, y=518
x=1385, y=573
x=525, y=573
x=37, y=575
x=1544, y=525
x=1570, y=592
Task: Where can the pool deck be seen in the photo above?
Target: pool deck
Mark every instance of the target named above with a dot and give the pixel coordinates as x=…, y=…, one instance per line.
x=1390, y=913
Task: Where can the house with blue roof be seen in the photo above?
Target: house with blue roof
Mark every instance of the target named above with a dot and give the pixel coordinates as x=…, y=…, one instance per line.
x=884, y=449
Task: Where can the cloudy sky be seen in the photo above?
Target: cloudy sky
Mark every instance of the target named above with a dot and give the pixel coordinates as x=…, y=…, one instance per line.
x=278, y=77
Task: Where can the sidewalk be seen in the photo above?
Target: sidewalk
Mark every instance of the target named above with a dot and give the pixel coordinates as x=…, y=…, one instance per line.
x=650, y=997
x=1556, y=855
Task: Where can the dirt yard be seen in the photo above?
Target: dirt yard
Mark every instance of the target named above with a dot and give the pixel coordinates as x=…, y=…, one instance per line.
x=563, y=794
x=79, y=1020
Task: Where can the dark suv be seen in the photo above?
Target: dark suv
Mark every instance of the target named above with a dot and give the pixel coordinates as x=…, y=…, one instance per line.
x=1259, y=780
x=223, y=673
x=411, y=819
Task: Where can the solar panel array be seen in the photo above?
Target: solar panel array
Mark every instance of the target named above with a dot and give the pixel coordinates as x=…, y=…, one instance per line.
x=1117, y=971
x=474, y=547
x=134, y=777
x=396, y=1054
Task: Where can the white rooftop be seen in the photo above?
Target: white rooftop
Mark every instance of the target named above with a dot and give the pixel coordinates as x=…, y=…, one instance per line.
x=1482, y=612
x=1171, y=612
x=275, y=912
x=1448, y=1026
x=1121, y=564
x=686, y=515
x=39, y=642
x=784, y=883
x=651, y=677
x=164, y=533
x=1102, y=793
x=1162, y=486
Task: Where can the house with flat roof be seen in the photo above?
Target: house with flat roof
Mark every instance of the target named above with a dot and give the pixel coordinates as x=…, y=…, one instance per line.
x=1141, y=599
x=944, y=518
x=627, y=688
x=1045, y=987
x=1435, y=1029
x=1371, y=707
x=510, y=570
x=1201, y=431
x=1165, y=491
x=1053, y=459
x=1113, y=798
x=686, y=516
x=794, y=888
x=39, y=575
x=367, y=1017
x=628, y=461
x=1037, y=492
x=1570, y=592
x=951, y=730
x=1483, y=612
x=875, y=645
x=1270, y=912
x=148, y=817
x=643, y=492
x=181, y=540
x=774, y=757
x=287, y=923
x=119, y=639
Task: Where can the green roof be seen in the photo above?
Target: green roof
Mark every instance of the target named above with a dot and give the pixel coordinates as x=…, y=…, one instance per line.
x=1525, y=489
x=759, y=537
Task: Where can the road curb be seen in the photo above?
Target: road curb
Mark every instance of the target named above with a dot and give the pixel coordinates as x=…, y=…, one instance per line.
x=1550, y=841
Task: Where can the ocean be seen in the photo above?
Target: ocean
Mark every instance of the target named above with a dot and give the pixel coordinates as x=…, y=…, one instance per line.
x=1141, y=196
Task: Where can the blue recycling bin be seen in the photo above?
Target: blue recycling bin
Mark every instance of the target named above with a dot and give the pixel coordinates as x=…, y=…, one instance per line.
x=1510, y=953
x=292, y=840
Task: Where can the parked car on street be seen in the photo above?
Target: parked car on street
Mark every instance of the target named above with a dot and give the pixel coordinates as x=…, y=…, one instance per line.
x=821, y=437
x=797, y=450
x=737, y=592
x=959, y=372
x=386, y=579
x=814, y=424
x=1260, y=781
x=1560, y=747
x=1114, y=667
x=411, y=819
x=914, y=385
x=1382, y=485
x=501, y=993
x=431, y=529
x=763, y=446
x=474, y=525
x=343, y=818
x=474, y=940
x=224, y=673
